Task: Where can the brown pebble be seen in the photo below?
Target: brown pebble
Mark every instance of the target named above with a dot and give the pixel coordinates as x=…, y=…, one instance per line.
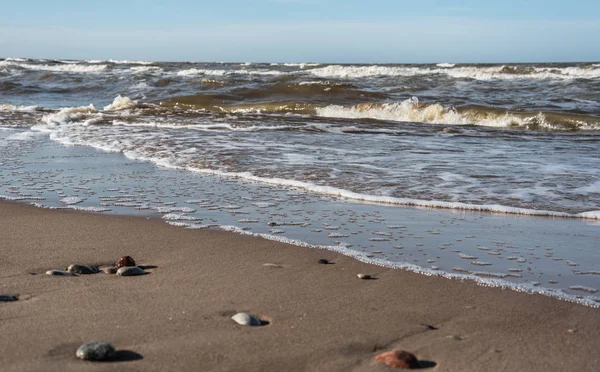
x=125, y=261
x=109, y=270
x=398, y=359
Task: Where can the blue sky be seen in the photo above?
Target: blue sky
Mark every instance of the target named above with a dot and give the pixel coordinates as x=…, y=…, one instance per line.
x=303, y=30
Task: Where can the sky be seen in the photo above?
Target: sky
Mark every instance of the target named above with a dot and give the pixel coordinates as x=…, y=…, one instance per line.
x=335, y=31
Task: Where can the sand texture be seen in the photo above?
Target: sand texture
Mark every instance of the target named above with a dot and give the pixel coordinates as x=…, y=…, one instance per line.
x=321, y=317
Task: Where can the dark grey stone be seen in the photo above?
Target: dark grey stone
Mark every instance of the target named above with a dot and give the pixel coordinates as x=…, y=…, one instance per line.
x=96, y=350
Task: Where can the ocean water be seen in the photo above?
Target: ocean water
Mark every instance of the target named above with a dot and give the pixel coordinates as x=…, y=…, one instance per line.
x=486, y=172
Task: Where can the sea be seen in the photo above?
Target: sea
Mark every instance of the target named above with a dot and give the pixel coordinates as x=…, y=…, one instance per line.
x=483, y=172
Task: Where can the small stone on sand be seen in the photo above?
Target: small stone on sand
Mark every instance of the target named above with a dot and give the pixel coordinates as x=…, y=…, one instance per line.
x=7, y=298
x=275, y=266
x=364, y=276
x=96, y=350
x=246, y=319
x=109, y=270
x=130, y=271
x=125, y=261
x=59, y=272
x=398, y=359
x=82, y=269
x=323, y=261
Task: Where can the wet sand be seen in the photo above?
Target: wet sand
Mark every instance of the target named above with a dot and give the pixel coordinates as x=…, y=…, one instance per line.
x=322, y=317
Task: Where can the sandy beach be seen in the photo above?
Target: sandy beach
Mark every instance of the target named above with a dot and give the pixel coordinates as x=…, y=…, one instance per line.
x=321, y=317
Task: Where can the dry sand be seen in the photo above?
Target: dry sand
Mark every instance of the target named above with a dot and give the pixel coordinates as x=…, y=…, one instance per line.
x=323, y=318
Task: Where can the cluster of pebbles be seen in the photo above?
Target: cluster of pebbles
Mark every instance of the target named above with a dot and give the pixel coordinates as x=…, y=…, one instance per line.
x=103, y=351
x=125, y=266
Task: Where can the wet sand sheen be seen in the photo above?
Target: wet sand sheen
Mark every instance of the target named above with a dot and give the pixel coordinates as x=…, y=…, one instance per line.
x=321, y=316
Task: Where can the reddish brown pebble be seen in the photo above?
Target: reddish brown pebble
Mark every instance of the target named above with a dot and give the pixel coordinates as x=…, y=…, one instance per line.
x=398, y=359
x=125, y=261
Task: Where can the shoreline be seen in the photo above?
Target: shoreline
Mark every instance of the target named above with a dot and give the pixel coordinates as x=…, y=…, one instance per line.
x=530, y=254
x=321, y=316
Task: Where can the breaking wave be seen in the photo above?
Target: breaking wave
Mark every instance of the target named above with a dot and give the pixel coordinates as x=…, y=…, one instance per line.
x=62, y=128
x=413, y=111
x=410, y=110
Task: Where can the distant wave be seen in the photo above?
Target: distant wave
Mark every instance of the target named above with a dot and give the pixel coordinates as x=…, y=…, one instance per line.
x=196, y=71
x=72, y=68
x=467, y=72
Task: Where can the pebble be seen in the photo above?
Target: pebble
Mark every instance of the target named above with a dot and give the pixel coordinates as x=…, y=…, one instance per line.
x=125, y=261
x=82, y=269
x=109, y=270
x=275, y=266
x=59, y=272
x=130, y=271
x=398, y=359
x=323, y=261
x=7, y=298
x=246, y=319
x=364, y=276
x=96, y=350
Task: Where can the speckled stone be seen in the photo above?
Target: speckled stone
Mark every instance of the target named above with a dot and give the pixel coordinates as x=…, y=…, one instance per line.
x=7, y=298
x=59, y=272
x=125, y=261
x=96, y=350
x=246, y=319
x=130, y=271
x=364, y=276
x=398, y=359
x=82, y=269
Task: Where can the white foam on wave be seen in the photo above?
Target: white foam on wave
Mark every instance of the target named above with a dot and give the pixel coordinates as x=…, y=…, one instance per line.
x=411, y=111
x=73, y=207
x=9, y=107
x=203, y=127
x=16, y=59
x=301, y=65
x=407, y=111
x=446, y=65
x=196, y=71
x=128, y=62
x=145, y=69
x=120, y=103
x=70, y=200
x=65, y=68
x=327, y=190
x=466, y=72
x=68, y=114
